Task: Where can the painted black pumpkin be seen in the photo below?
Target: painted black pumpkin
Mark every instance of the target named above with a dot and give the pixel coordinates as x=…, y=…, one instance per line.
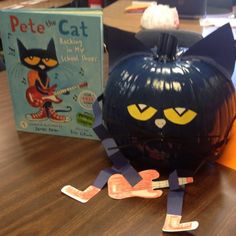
x=169, y=112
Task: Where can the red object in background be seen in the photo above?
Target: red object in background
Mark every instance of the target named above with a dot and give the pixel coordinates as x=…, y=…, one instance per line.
x=95, y=3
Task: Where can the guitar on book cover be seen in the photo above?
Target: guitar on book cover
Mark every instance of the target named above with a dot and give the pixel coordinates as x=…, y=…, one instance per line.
x=35, y=98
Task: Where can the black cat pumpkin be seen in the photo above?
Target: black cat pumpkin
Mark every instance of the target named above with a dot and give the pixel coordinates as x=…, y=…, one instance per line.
x=173, y=111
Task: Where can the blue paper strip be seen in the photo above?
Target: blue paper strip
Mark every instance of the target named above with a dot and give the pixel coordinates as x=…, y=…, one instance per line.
x=120, y=163
x=175, y=195
x=175, y=202
x=173, y=181
x=103, y=177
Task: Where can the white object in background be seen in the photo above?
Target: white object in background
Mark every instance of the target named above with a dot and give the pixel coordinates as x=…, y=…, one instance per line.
x=160, y=16
x=218, y=20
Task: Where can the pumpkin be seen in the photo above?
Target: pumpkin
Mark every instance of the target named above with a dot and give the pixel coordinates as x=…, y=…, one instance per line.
x=169, y=111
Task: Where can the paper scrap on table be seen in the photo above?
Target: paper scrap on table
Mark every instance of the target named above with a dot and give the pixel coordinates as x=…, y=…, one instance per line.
x=138, y=6
x=218, y=20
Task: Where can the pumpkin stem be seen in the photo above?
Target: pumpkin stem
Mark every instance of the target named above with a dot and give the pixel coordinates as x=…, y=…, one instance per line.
x=167, y=48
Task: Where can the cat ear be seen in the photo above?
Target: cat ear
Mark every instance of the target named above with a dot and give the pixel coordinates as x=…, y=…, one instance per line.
x=51, y=44
x=21, y=47
x=22, y=50
x=51, y=48
x=218, y=46
x=120, y=43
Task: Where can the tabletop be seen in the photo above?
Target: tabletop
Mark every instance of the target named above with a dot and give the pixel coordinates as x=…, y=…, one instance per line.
x=115, y=16
x=34, y=167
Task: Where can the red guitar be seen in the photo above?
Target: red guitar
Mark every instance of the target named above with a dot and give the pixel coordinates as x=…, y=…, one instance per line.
x=119, y=187
x=36, y=99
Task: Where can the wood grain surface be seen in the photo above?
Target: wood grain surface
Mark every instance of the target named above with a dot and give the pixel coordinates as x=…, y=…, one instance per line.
x=34, y=167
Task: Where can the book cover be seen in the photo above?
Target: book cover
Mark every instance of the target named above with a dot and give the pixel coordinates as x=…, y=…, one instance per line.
x=54, y=62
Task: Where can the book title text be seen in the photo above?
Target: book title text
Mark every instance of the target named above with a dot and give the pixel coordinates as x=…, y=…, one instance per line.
x=64, y=27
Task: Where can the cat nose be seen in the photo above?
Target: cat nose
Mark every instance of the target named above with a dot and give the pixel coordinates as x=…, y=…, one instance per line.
x=160, y=123
x=42, y=67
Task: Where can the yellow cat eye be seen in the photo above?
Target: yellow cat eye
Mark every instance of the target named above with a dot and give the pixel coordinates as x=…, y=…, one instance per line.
x=141, y=112
x=32, y=60
x=179, y=115
x=49, y=62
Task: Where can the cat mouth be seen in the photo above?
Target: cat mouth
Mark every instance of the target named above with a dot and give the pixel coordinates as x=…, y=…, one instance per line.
x=151, y=150
x=162, y=148
x=155, y=153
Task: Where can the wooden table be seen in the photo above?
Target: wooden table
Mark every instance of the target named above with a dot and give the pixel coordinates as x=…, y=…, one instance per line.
x=34, y=167
x=114, y=15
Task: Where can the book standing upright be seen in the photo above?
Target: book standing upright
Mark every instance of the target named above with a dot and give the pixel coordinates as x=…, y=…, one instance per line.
x=54, y=61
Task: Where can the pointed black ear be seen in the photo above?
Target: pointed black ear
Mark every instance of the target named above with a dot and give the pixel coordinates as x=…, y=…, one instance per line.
x=22, y=49
x=51, y=44
x=51, y=48
x=120, y=43
x=218, y=46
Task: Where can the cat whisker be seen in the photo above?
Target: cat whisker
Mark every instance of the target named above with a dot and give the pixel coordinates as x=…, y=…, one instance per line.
x=68, y=67
x=70, y=70
x=16, y=70
x=65, y=73
x=13, y=68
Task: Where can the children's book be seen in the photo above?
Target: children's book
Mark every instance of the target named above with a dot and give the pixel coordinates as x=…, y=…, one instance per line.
x=54, y=61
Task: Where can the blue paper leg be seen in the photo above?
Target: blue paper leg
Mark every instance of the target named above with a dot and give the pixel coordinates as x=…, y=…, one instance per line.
x=174, y=208
x=120, y=163
x=175, y=195
x=103, y=177
x=175, y=202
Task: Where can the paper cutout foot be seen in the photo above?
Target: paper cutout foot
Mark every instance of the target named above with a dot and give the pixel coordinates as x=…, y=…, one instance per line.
x=81, y=196
x=172, y=224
